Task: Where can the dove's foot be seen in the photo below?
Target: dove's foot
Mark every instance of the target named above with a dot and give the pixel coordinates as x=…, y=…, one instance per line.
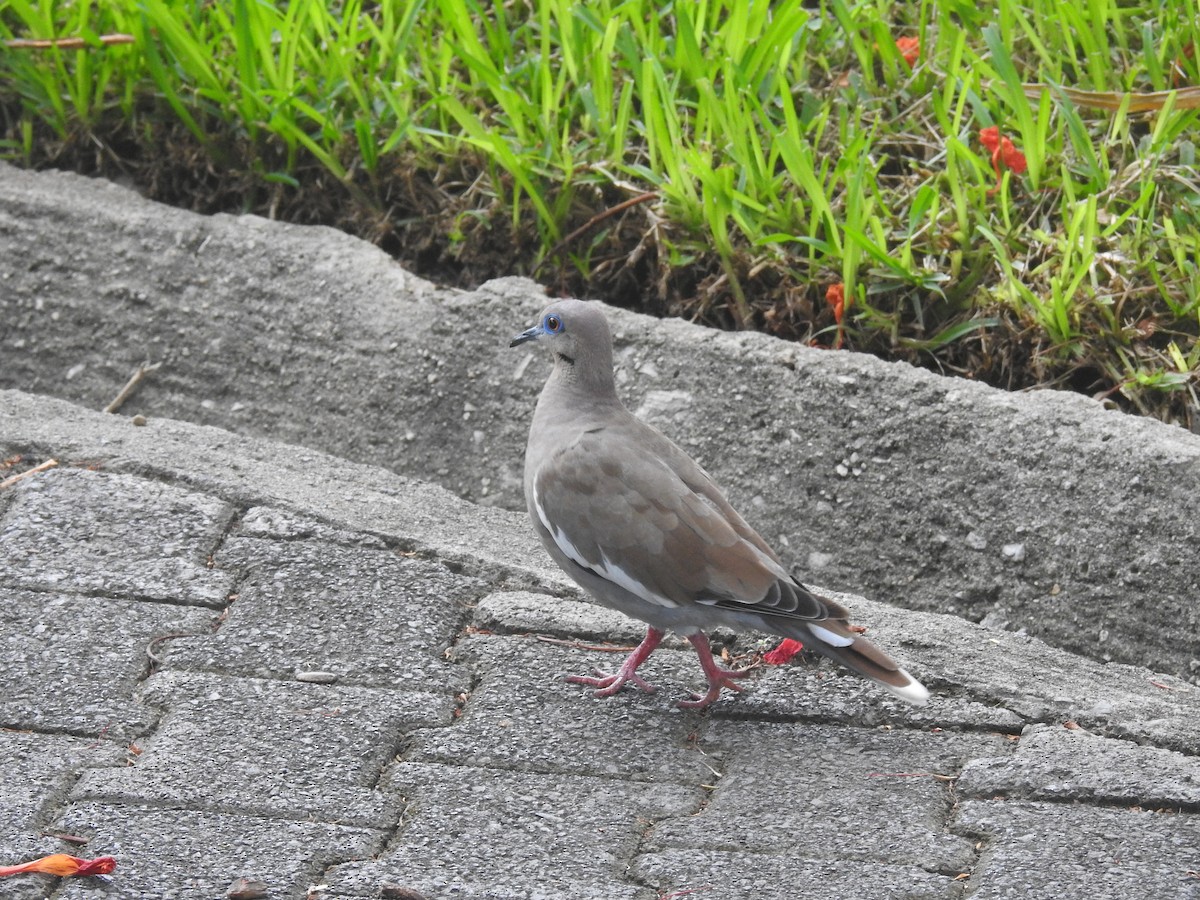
x=609, y=683
x=717, y=677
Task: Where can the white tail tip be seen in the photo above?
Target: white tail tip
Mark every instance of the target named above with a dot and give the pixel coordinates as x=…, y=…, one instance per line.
x=914, y=692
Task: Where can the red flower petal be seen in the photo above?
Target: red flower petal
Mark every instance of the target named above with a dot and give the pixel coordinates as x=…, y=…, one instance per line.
x=1012, y=157
x=1003, y=151
x=63, y=865
x=910, y=49
x=835, y=296
x=783, y=653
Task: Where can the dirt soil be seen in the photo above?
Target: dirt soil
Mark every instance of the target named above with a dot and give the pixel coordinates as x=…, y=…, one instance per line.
x=445, y=224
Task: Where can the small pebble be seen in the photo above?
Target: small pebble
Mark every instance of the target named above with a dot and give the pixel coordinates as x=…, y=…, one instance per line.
x=139, y=419
x=247, y=889
x=317, y=677
x=818, y=560
x=399, y=892
x=1014, y=552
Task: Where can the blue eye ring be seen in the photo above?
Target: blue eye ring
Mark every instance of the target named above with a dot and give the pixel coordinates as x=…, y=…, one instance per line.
x=552, y=324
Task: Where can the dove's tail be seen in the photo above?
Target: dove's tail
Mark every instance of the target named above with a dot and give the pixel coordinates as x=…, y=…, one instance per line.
x=833, y=638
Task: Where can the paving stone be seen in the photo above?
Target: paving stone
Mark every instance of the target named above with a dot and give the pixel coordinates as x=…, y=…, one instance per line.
x=524, y=612
x=522, y=715
x=821, y=792
x=280, y=749
x=673, y=669
x=38, y=772
x=27, y=887
x=568, y=613
x=71, y=663
x=250, y=472
x=1050, y=851
x=85, y=531
x=174, y=854
x=1055, y=763
x=754, y=876
x=476, y=833
x=283, y=525
x=367, y=615
x=815, y=688
x=1041, y=683
x=810, y=689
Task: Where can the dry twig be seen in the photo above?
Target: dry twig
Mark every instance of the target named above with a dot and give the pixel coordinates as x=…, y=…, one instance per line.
x=580, y=645
x=599, y=217
x=48, y=464
x=1139, y=101
x=131, y=385
x=68, y=43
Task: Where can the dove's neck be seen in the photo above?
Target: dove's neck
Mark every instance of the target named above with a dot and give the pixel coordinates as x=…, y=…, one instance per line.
x=578, y=395
x=587, y=378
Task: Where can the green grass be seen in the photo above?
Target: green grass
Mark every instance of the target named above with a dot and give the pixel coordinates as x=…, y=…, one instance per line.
x=790, y=148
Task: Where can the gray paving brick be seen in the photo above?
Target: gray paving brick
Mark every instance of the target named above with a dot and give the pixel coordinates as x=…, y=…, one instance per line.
x=814, y=688
x=71, y=663
x=724, y=875
x=1048, y=851
x=476, y=833
x=267, y=748
x=810, y=688
x=279, y=524
x=1055, y=763
x=831, y=792
x=79, y=530
x=522, y=715
x=368, y=615
x=1041, y=683
x=173, y=854
x=38, y=770
x=523, y=612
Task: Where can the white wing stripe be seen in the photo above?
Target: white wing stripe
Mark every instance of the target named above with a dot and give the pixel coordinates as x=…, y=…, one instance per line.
x=571, y=551
x=824, y=634
x=606, y=569
x=621, y=578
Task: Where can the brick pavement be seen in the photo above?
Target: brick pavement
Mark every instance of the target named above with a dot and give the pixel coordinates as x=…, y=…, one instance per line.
x=223, y=657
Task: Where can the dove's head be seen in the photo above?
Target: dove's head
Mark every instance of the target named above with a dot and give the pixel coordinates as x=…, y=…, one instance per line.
x=576, y=334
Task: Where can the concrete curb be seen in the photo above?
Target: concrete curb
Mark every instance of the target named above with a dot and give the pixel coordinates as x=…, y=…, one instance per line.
x=1040, y=512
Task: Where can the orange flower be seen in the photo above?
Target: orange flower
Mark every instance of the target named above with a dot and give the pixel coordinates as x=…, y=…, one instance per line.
x=835, y=296
x=62, y=865
x=783, y=653
x=910, y=49
x=1003, y=152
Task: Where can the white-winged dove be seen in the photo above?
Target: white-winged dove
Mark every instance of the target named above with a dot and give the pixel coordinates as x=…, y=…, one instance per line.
x=643, y=529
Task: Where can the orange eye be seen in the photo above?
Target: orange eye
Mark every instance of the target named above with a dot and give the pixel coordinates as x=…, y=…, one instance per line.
x=552, y=324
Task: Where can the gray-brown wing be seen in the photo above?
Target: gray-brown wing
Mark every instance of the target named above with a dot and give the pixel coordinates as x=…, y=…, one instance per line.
x=615, y=502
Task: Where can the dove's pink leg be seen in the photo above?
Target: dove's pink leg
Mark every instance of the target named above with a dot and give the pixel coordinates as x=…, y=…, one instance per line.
x=610, y=683
x=717, y=677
